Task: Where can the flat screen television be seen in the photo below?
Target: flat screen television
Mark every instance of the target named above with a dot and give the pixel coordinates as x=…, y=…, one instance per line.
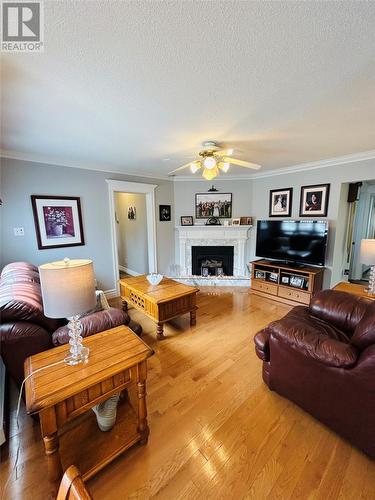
x=294, y=241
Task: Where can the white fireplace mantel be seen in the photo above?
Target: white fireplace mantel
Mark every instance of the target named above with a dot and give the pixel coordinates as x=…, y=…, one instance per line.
x=235, y=236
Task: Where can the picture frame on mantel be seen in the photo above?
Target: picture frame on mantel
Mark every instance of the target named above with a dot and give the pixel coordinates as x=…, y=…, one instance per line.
x=187, y=220
x=58, y=221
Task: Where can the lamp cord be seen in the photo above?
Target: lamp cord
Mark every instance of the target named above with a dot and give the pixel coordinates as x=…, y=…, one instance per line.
x=17, y=414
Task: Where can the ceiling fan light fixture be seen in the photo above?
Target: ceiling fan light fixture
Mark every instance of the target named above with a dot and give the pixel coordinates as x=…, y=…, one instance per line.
x=209, y=162
x=194, y=167
x=225, y=167
x=210, y=174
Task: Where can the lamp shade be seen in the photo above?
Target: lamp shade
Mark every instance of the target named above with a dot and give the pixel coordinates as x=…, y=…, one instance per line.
x=68, y=287
x=367, y=252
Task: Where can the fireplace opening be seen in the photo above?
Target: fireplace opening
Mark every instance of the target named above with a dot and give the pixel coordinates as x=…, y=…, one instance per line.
x=212, y=261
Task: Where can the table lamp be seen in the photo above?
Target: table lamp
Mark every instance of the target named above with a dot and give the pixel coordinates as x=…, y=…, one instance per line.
x=367, y=256
x=68, y=289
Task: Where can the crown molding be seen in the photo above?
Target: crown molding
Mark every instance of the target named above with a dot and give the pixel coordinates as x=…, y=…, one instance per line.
x=313, y=165
x=15, y=155
x=329, y=162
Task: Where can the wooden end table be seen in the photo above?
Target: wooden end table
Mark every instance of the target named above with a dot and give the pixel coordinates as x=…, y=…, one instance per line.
x=63, y=396
x=162, y=302
x=354, y=288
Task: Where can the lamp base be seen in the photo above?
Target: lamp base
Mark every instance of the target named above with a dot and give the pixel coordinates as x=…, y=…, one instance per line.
x=82, y=357
x=77, y=353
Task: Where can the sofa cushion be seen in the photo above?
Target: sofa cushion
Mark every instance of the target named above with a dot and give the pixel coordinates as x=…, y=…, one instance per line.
x=341, y=309
x=95, y=323
x=314, y=339
x=364, y=334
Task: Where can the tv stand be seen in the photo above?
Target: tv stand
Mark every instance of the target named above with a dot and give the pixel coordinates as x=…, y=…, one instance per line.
x=288, y=283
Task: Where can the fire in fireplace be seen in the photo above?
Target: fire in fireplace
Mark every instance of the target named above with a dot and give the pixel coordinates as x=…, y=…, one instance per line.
x=212, y=261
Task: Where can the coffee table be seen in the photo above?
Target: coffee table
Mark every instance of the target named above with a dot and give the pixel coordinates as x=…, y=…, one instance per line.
x=63, y=396
x=162, y=302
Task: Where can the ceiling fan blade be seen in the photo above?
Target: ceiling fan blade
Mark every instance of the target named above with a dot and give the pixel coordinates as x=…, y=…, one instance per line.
x=241, y=163
x=183, y=166
x=224, y=152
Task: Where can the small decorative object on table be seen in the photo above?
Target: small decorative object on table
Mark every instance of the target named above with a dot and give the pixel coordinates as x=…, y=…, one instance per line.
x=367, y=256
x=68, y=290
x=187, y=220
x=154, y=278
x=236, y=222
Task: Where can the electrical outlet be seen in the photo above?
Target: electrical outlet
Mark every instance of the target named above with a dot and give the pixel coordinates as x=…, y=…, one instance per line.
x=19, y=231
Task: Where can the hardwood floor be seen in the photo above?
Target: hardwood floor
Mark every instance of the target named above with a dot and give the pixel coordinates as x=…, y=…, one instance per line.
x=216, y=431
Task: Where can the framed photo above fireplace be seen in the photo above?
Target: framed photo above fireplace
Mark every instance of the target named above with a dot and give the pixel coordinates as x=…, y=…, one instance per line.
x=213, y=205
x=58, y=221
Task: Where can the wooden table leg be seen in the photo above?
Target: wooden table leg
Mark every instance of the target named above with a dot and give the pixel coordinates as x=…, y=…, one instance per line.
x=48, y=429
x=143, y=428
x=193, y=317
x=159, y=331
x=124, y=306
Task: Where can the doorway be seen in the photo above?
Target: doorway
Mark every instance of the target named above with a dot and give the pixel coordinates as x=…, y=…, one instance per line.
x=131, y=237
x=363, y=227
x=132, y=209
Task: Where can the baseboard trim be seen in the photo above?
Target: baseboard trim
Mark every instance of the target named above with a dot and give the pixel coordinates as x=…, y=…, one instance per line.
x=129, y=271
x=110, y=294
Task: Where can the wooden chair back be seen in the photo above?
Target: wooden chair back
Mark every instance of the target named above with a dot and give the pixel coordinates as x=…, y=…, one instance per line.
x=72, y=486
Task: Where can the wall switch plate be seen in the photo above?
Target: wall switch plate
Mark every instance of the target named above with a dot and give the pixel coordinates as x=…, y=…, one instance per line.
x=19, y=231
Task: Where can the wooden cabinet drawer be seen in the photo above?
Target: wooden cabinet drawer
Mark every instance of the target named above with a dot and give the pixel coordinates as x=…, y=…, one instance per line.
x=296, y=295
x=263, y=286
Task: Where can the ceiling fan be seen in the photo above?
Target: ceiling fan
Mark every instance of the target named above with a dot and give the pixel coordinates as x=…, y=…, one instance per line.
x=213, y=161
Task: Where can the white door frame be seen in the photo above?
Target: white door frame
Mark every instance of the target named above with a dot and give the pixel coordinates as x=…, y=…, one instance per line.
x=137, y=188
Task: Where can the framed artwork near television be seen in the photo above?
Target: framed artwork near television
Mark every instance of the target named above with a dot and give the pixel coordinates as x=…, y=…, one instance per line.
x=213, y=205
x=58, y=221
x=314, y=200
x=281, y=202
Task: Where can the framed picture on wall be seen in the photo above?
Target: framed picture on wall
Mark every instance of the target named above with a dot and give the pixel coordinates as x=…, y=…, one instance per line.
x=164, y=213
x=58, y=221
x=281, y=202
x=314, y=200
x=187, y=220
x=213, y=205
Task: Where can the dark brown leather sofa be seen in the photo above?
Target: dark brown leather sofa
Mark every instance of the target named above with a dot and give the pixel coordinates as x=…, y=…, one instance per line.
x=322, y=357
x=24, y=330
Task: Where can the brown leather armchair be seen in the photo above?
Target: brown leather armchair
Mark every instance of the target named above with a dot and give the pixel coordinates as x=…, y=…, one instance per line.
x=24, y=330
x=322, y=358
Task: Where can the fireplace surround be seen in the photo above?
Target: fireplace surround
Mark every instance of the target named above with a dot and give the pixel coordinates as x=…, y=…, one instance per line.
x=212, y=236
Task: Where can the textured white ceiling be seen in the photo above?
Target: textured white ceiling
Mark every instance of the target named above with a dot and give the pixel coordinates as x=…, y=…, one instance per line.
x=126, y=84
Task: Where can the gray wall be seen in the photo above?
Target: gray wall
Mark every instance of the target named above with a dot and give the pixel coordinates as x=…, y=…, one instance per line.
x=20, y=179
x=337, y=209
x=132, y=233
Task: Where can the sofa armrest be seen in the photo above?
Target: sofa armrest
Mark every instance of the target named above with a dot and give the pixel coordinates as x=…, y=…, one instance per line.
x=262, y=346
x=95, y=323
x=18, y=341
x=341, y=309
x=330, y=352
